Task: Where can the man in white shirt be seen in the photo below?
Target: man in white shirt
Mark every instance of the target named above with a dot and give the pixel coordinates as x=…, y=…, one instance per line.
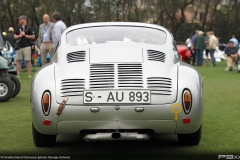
x=188, y=43
x=58, y=28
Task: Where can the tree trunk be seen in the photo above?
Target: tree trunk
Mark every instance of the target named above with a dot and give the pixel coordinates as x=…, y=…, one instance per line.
x=10, y=14
x=205, y=14
x=236, y=14
x=214, y=13
x=197, y=10
x=34, y=17
x=69, y=20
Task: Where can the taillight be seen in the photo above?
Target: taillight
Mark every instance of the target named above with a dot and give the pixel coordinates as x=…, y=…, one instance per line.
x=187, y=101
x=47, y=122
x=186, y=120
x=46, y=103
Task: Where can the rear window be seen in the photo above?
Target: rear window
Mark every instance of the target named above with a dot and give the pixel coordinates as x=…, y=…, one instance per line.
x=116, y=34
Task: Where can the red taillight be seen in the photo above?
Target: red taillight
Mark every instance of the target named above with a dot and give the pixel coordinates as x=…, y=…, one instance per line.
x=187, y=101
x=47, y=122
x=186, y=120
x=46, y=103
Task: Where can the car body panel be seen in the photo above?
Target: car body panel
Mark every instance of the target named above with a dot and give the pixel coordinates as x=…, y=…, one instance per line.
x=77, y=116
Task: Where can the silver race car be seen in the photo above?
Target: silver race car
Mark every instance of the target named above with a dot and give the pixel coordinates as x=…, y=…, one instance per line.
x=116, y=81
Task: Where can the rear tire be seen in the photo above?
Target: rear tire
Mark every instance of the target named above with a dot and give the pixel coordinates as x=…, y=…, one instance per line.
x=6, y=89
x=16, y=85
x=190, y=139
x=42, y=140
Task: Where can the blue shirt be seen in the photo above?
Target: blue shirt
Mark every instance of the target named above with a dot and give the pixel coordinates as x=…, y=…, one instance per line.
x=235, y=41
x=46, y=36
x=194, y=39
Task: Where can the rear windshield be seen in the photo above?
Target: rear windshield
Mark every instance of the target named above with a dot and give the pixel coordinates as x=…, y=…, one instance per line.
x=115, y=34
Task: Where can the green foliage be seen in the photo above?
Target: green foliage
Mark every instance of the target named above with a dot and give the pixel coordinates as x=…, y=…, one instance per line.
x=222, y=18
x=185, y=31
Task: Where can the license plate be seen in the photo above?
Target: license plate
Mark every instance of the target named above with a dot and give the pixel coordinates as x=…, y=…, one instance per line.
x=117, y=96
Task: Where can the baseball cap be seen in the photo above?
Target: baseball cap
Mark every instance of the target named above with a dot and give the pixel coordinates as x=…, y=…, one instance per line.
x=10, y=29
x=22, y=17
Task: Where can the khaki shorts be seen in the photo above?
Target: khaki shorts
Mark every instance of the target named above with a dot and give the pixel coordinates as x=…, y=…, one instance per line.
x=24, y=52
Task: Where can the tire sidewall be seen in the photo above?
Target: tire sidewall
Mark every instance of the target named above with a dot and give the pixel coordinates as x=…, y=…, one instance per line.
x=17, y=85
x=9, y=85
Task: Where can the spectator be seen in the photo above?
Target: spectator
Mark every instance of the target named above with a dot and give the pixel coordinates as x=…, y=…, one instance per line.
x=199, y=47
x=234, y=40
x=58, y=28
x=11, y=40
x=188, y=42
x=207, y=45
x=232, y=55
x=2, y=42
x=189, y=45
x=4, y=34
x=213, y=42
x=45, y=38
x=3, y=39
x=24, y=34
x=10, y=37
x=193, y=44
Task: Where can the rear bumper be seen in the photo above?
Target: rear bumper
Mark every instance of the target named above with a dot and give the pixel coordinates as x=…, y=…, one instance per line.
x=74, y=127
x=158, y=118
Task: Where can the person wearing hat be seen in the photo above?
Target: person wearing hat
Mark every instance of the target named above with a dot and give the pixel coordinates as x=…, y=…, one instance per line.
x=10, y=36
x=11, y=40
x=23, y=35
x=232, y=55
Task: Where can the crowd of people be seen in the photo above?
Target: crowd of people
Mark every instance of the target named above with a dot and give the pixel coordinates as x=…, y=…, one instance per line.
x=49, y=33
x=23, y=41
x=198, y=43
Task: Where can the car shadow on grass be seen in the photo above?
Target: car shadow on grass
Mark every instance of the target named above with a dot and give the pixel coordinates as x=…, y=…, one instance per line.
x=161, y=145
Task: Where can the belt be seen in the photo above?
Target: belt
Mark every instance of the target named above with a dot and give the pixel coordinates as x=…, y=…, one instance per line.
x=46, y=42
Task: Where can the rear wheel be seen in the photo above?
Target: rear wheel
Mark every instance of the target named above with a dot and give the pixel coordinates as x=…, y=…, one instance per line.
x=190, y=139
x=6, y=89
x=42, y=140
x=16, y=85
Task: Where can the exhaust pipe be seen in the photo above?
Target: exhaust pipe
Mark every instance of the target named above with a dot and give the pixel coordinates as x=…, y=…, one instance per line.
x=115, y=136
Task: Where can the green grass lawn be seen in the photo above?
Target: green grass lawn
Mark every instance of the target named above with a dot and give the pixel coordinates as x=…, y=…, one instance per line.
x=221, y=126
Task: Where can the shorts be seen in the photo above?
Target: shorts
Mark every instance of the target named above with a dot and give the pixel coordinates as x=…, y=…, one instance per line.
x=24, y=53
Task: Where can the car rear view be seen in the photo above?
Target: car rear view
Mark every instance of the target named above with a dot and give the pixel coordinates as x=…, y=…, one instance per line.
x=116, y=81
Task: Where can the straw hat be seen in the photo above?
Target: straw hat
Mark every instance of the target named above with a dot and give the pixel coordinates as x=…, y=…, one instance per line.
x=10, y=29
